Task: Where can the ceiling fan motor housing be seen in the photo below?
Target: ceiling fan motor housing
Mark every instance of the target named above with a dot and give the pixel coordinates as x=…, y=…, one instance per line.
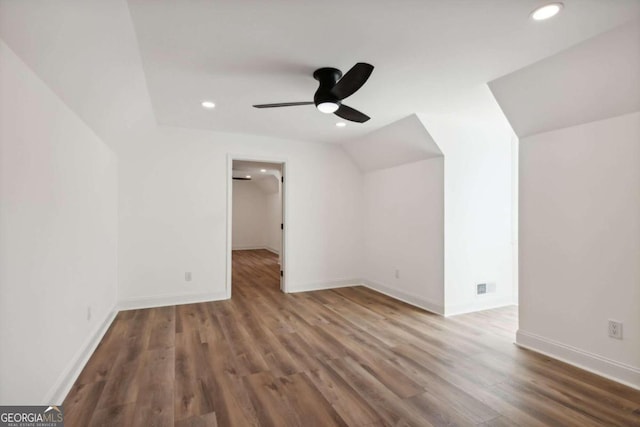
x=327, y=77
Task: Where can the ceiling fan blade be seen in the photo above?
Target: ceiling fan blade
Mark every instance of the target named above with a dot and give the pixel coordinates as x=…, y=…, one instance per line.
x=283, y=104
x=352, y=81
x=349, y=113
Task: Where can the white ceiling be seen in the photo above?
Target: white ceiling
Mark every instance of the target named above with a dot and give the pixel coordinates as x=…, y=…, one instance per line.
x=427, y=54
x=590, y=81
x=401, y=142
x=267, y=182
x=86, y=52
x=118, y=64
x=242, y=168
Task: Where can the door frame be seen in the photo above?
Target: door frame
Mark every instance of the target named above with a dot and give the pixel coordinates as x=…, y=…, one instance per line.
x=285, y=209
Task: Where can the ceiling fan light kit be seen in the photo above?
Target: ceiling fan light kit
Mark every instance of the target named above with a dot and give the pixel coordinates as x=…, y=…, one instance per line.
x=333, y=88
x=328, y=107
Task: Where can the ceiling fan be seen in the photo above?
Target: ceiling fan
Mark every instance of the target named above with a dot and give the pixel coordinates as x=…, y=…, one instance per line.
x=333, y=89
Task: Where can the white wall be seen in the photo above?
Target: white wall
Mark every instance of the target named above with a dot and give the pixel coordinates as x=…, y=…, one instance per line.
x=580, y=244
x=250, y=220
x=478, y=210
x=515, y=221
x=479, y=219
x=173, y=207
x=58, y=237
x=577, y=117
x=404, y=231
x=274, y=219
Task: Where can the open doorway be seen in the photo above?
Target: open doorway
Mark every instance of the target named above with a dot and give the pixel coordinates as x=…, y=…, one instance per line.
x=256, y=226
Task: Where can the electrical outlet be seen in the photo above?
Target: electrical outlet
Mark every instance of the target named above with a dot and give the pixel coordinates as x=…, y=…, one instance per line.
x=615, y=329
x=397, y=273
x=481, y=288
x=187, y=276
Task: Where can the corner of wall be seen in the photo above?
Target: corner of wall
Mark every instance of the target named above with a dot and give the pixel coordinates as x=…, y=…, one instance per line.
x=414, y=300
x=488, y=304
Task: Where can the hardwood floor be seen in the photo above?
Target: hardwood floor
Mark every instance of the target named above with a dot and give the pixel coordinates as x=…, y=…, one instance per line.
x=348, y=356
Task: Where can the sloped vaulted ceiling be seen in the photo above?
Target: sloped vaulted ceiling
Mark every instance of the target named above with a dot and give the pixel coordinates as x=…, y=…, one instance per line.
x=86, y=52
x=404, y=141
x=597, y=79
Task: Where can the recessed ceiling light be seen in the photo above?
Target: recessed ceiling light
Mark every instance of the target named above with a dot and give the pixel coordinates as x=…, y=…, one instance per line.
x=341, y=124
x=208, y=104
x=248, y=176
x=263, y=170
x=546, y=11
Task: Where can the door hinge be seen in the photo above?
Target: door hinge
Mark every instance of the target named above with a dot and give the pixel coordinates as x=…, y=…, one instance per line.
x=281, y=273
x=281, y=226
x=282, y=178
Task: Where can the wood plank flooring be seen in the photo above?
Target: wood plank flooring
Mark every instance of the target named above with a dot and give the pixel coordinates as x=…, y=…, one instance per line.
x=342, y=357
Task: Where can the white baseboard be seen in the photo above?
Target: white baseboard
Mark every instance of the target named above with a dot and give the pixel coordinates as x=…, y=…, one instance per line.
x=487, y=303
x=405, y=297
x=62, y=386
x=321, y=286
x=254, y=248
x=166, y=300
x=616, y=371
x=247, y=247
x=270, y=249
